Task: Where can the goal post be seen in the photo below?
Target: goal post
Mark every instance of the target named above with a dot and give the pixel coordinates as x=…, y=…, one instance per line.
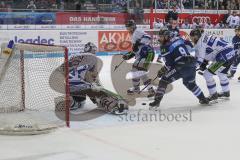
x=26, y=98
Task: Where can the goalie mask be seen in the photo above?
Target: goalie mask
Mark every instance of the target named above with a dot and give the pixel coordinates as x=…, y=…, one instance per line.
x=196, y=34
x=90, y=47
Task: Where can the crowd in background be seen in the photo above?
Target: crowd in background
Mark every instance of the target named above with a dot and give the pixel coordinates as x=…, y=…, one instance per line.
x=117, y=5
x=199, y=4
x=230, y=20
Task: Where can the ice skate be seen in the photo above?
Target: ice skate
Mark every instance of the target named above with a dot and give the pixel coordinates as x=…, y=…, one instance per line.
x=224, y=95
x=133, y=91
x=204, y=101
x=213, y=98
x=154, y=105
x=76, y=105
x=230, y=75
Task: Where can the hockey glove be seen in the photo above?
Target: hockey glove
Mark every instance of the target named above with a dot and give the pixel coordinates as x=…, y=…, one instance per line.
x=202, y=67
x=136, y=45
x=128, y=56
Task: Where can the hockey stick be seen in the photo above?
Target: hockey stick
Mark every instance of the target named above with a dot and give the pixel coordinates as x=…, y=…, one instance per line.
x=147, y=85
x=136, y=74
x=117, y=66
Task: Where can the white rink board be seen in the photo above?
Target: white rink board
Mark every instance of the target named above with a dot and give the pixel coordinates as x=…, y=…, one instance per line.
x=74, y=40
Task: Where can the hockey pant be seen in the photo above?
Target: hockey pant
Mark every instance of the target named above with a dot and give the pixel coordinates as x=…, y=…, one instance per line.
x=143, y=64
x=220, y=68
x=187, y=73
x=77, y=91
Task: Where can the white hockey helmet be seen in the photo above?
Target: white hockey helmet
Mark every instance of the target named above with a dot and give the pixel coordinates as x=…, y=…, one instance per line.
x=90, y=47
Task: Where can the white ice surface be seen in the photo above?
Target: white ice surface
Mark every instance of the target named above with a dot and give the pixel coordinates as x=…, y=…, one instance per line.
x=213, y=133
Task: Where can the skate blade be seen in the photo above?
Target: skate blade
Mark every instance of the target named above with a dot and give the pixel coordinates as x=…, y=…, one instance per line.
x=205, y=105
x=150, y=98
x=213, y=102
x=120, y=113
x=224, y=98
x=154, y=108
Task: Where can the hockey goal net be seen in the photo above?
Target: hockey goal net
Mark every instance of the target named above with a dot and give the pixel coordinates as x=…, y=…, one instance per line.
x=26, y=98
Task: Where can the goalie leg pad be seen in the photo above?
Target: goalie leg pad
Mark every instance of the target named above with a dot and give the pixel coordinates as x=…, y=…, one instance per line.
x=111, y=102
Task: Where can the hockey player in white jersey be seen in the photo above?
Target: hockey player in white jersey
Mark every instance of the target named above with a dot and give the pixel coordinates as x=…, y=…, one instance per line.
x=144, y=55
x=80, y=84
x=220, y=54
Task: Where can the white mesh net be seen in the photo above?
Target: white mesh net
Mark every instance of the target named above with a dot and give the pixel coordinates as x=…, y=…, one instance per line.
x=26, y=98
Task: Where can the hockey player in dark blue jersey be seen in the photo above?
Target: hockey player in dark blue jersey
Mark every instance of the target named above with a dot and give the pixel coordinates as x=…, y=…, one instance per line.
x=187, y=43
x=178, y=64
x=236, y=43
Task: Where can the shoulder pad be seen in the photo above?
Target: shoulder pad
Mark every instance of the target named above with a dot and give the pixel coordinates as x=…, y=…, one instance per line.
x=175, y=44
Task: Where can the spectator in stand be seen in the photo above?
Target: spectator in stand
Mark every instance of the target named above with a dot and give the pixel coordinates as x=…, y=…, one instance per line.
x=231, y=4
x=220, y=25
x=187, y=4
x=54, y=7
x=158, y=24
x=186, y=24
x=197, y=24
x=62, y=6
x=79, y=5
x=199, y=4
x=31, y=6
x=138, y=13
x=3, y=7
x=43, y=4
x=173, y=28
x=225, y=17
x=161, y=4
x=208, y=24
x=173, y=14
x=233, y=20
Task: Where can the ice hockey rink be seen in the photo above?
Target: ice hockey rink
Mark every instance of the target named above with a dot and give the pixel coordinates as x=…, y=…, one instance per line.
x=210, y=132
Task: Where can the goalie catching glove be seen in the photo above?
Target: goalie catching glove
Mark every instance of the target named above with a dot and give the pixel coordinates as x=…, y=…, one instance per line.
x=8, y=51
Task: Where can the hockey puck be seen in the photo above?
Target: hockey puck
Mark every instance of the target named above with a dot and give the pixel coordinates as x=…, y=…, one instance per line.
x=144, y=104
